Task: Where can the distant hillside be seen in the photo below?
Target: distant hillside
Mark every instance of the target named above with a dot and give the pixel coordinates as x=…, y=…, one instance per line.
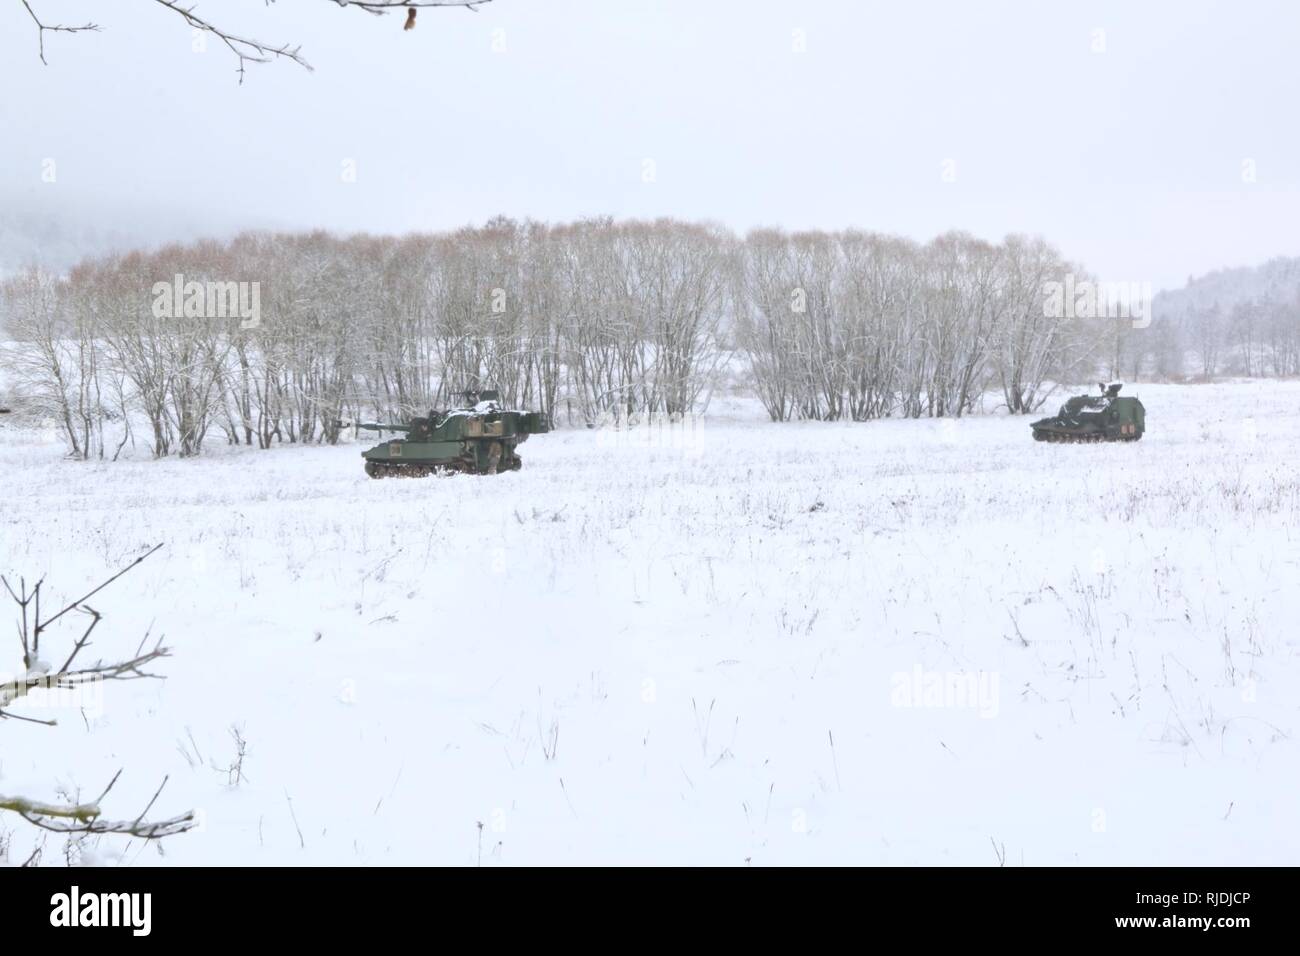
x=1243, y=321
x=1277, y=280
x=56, y=235
x=28, y=237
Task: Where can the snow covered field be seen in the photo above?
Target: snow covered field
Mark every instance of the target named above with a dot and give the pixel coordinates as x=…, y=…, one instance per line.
x=898, y=642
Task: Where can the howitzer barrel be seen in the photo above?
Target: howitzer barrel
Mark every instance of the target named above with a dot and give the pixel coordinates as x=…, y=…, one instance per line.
x=378, y=427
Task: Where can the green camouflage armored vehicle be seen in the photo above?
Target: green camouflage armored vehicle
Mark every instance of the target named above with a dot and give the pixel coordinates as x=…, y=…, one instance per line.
x=1093, y=418
x=479, y=438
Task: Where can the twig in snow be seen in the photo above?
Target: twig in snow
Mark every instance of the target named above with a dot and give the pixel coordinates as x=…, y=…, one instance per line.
x=999, y=851
x=565, y=790
x=301, y=842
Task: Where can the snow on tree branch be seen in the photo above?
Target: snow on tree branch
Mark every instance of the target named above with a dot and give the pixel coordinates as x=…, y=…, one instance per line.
x=87, y=818
x=76, y=817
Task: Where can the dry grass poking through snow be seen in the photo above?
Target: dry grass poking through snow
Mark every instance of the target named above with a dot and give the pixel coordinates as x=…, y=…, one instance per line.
x=874, y=643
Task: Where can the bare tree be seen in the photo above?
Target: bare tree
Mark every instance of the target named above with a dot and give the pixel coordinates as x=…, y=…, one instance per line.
x=595, y=320
x=41, y=354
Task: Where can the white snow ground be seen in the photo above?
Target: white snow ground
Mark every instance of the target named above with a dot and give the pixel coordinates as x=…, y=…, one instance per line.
x=899, y=642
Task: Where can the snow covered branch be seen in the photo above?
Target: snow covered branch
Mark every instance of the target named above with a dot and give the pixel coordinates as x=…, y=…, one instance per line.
x=75, y=817
x=38, y=673
x=86, y=818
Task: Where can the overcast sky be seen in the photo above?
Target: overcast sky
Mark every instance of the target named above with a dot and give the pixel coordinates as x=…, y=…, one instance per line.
x=1125, y=147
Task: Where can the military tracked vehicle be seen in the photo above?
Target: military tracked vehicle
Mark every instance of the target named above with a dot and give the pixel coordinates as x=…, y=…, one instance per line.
x=1093, y=418
x=479, y=438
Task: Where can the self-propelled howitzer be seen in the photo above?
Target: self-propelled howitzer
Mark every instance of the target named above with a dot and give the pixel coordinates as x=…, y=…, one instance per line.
x=1094, y=418
x=480, y=438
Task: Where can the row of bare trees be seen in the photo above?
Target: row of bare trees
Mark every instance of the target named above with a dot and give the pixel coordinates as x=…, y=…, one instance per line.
x=1240, y=321
x=591, y=321
x=857, y=325
x=1258, y=337
x=1255, y=338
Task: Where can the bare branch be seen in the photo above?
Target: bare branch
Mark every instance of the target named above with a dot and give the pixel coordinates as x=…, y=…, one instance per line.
x=41, y=625
x=30, y=720
x=383, y=6
x=249, y=49
x=75, y=817
x=109, y=787
x=43, y=28
x=38, y=674
x=81, y=642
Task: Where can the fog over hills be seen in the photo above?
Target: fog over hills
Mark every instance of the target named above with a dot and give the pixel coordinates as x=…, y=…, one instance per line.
x=56, y=233
x=1275, y=281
